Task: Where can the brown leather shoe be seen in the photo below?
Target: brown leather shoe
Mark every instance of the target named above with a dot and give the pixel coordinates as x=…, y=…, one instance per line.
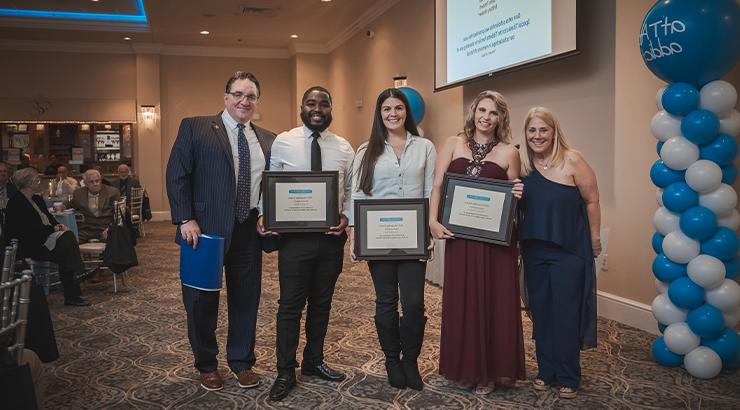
x=211, y=381
x=247, y=379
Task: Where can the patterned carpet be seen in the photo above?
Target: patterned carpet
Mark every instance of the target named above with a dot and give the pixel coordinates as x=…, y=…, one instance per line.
x=130, y=350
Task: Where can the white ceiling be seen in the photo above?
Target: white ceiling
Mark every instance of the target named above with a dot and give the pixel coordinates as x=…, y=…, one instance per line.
x=231, y=23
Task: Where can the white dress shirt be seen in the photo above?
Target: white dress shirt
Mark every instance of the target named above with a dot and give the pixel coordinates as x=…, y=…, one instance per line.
x=410, y=176
x=291, y=151
x=256, y=157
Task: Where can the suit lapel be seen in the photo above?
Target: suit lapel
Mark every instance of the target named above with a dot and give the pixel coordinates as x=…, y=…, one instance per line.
x=264, y=144
x=219, y=130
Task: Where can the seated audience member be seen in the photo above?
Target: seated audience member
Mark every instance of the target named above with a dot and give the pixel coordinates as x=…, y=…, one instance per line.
x=7, y=189
x=95, y=202
x=51, y=168
x=63, y=184
x=40, y=236
x=125, y=182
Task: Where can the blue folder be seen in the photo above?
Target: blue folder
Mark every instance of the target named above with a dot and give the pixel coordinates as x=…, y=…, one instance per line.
x=202, y=268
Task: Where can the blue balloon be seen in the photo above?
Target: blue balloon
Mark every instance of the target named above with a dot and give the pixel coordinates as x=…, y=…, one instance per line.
x=686, y=294
x=729, y=174
x=691, y=41
x=662, y=176
x=416, y=102
x=658, y=242
x=698, y=223
x=732, y=268
x=734, y=363
x=659, y=146
x=722, y=245
x=680, y=99
x=721, y=150
x=678, y=197
x=663, y=355
x=700, y=126
x=706, y=321
x=665, y=270
x=661, y=327
x=725, y=345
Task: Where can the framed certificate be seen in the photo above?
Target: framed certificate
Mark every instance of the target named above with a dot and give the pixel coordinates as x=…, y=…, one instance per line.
x=388, y=229
x=480, y=209
x=300, y=201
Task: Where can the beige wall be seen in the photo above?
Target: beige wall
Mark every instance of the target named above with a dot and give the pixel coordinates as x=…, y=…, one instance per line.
x=310, y=70
x=361, y=68
x=80, y=86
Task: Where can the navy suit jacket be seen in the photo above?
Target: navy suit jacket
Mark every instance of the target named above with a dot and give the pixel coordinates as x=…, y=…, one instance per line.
x=200, y=175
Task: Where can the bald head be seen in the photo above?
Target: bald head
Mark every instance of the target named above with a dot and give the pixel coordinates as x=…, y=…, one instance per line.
x=124, y=171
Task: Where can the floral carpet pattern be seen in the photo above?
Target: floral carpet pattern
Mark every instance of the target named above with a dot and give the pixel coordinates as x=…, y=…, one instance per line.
x=130, y=351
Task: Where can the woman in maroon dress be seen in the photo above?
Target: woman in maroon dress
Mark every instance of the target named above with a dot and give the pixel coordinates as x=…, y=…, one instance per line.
x=481, y=341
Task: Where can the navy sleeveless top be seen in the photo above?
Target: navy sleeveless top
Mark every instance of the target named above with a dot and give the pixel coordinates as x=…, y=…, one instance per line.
x=554, y=212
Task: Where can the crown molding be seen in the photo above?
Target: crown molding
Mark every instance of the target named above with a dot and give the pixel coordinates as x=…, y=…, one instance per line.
x=361, y=23
x=87, y=25
x=142, y=48
x=234, y=52
x=65, y=46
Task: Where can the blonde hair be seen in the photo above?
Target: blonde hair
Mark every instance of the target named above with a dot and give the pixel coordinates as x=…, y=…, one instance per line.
x=503, y=127
x=559, y=145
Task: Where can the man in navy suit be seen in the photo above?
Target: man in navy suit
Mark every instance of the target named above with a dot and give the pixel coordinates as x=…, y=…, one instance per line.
x=213, y=183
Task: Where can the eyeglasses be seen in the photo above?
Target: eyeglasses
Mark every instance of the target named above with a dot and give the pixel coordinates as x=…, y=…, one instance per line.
x=239, y=96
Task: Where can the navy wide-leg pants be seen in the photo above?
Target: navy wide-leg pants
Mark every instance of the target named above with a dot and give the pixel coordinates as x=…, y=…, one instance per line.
x=555, y=286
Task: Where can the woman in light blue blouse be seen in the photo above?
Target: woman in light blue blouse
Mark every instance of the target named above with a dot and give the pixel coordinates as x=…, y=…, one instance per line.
x=396, y=163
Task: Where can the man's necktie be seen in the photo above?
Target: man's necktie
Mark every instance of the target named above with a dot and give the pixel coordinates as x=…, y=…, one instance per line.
x=245, y=178
x=315, y=152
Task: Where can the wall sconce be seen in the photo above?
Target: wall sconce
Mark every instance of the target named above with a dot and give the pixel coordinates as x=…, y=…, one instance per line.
x=39, y=127
x=85, y=127
x=148, y=112
x=399, y=81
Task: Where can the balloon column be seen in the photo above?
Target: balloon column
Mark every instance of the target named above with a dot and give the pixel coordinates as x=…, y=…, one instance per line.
x=690, y=44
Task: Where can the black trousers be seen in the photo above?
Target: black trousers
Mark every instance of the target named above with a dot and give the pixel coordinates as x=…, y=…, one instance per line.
x=388, y=278
x=309, y=265
x=243, y=262
x=66, y=254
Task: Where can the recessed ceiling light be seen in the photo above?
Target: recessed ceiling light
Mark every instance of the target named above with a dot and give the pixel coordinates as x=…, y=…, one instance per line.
x=205, y=32
x=294, y=36
x=325, y=1
x=127, y=38
x=95, y=1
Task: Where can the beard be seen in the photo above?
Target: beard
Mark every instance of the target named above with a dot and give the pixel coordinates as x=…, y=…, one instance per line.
x=306, y=118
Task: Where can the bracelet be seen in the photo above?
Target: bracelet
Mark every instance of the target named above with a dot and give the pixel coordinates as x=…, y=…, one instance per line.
x=596, y=247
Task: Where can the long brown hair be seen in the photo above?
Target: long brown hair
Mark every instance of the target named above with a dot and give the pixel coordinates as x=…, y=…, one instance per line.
x=378, y=135
x=503, y=127
x=560, y=145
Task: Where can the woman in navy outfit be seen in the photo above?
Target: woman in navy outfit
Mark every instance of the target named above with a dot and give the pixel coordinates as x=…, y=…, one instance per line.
x=559, y=233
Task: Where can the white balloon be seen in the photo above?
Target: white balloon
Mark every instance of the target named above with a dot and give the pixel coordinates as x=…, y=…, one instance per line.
x=666, y=221
x=660, y=286
x=703, y=363
x=659, y=98
x=678, y=153
x=666, y=312
x=665, y=126
x=706, y=271
x=721, y=201
x=680, y=248
x=731, y=318
x=729, y=220
x=718, y=96
x=659, y=196
x=680, y=339
x=704, y=176
x=729, y=124
x=725, y=297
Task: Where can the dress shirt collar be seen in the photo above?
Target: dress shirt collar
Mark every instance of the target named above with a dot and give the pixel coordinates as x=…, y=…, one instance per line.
x=308, y=133
x=409, y=137
x=231, y=123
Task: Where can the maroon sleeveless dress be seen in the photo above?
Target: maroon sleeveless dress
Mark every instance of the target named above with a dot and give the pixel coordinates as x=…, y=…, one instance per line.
x=481, y=339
